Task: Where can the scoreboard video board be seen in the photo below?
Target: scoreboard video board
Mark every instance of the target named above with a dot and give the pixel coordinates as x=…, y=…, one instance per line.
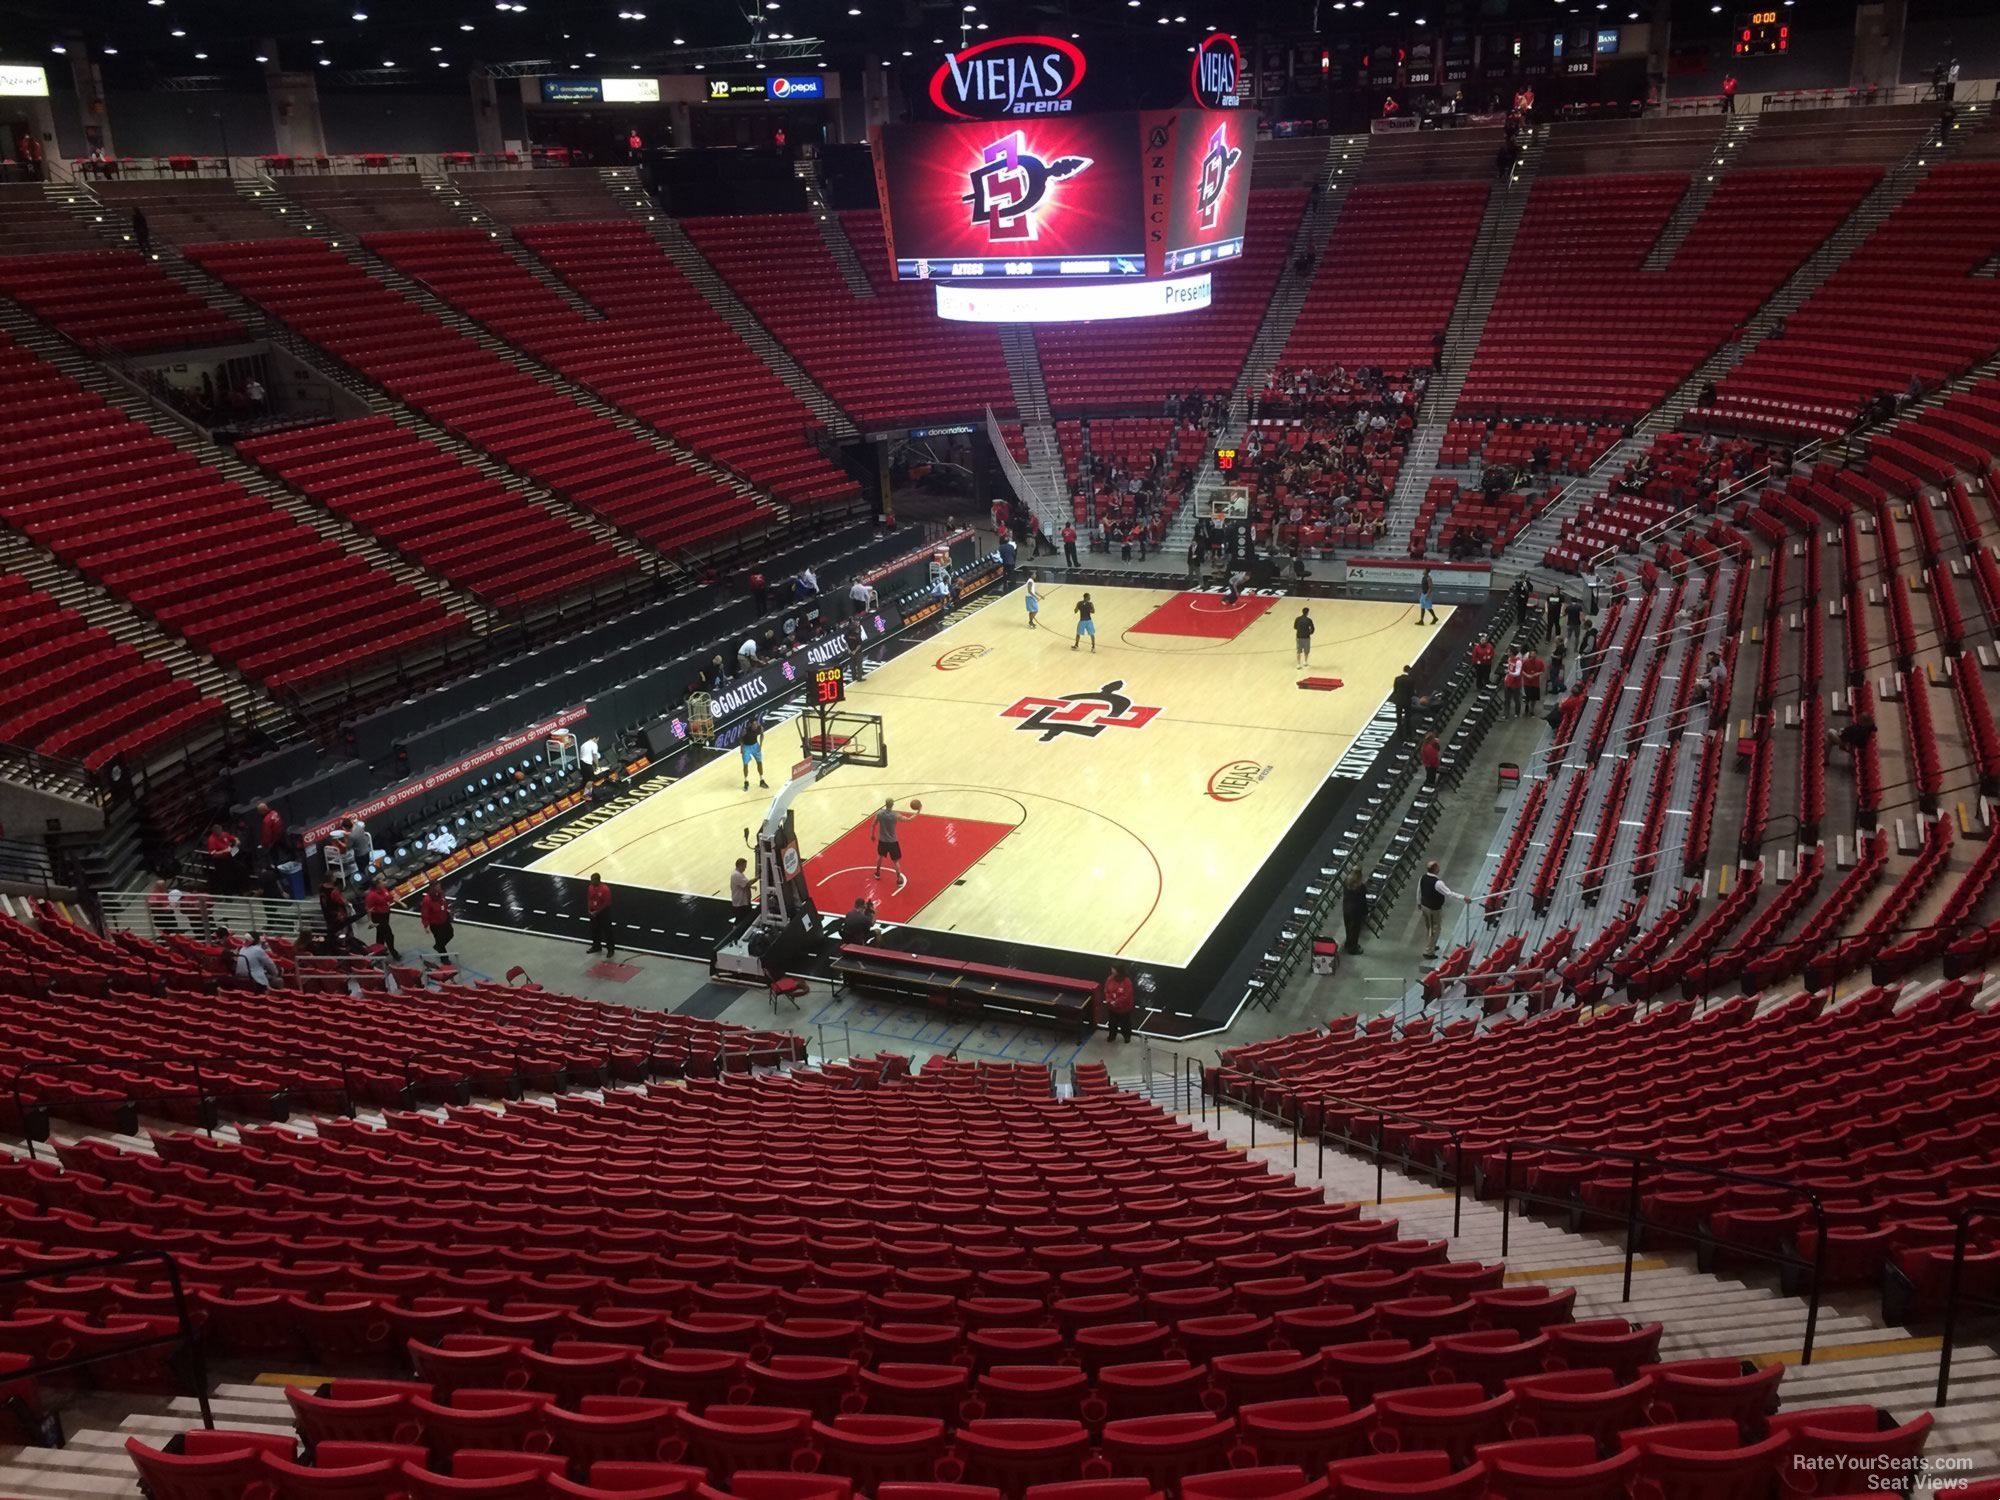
x=1065, y=196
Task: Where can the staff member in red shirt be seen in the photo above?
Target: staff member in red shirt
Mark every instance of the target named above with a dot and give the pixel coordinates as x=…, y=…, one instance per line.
x=597, y=900
x=1431, y=756
x=1069, y=543
x=1119, y=999
x=436, y=915
x=270, y=833
x=1533, y=670
x=1482, y=660
x=379, y=903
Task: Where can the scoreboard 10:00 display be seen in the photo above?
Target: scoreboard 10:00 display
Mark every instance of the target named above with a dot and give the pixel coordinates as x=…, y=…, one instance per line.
x=829, y=686
x=1759, y=33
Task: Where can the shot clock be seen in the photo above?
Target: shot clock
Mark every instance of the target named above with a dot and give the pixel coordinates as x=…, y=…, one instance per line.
x=829, y=686
x=1759, y=33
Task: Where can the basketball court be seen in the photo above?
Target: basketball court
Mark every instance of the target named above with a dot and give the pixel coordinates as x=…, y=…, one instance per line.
x=1113, y=803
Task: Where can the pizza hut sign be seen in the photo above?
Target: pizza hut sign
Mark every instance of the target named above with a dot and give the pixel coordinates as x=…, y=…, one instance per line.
x=1009, y=77
x=1216, y=78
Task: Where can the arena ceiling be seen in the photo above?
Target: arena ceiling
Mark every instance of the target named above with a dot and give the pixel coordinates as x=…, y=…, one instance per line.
x=145, y=41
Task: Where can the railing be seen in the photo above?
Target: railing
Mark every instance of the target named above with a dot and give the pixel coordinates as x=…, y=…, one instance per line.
x=198, y=915
x=1978, y=1208
x=1510, y=1194
x=185, y=1335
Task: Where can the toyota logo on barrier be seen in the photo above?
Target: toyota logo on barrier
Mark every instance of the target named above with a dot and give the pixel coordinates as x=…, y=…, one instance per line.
x=1216, y=78
x=1009, y=76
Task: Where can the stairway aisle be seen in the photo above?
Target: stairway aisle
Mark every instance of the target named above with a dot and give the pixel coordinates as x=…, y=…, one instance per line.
x=1701, y=187
x=831, y=230
x=1491, y=251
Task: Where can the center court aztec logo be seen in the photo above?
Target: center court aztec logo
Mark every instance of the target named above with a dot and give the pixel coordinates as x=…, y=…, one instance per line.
x=1216, y=165
x=1087, y=714
x=1009, y=187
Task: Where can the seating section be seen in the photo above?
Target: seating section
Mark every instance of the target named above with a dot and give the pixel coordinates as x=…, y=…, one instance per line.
x=714, y=394
x=852, y=1281
x=542, y=197
x=34, y=223
x=1905, y=304
x=371, y=203
x=1133, y=364
x=478, y=395
x=885, y=359
x=1852, y=1099
x=186, y=210
x=115, y=302
x=210, y=560
x=67, y=688
x=1559, y=340
x=450, y=518
x=1386, y=281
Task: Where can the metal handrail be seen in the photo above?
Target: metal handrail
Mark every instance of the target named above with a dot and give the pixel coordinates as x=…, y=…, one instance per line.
x=1509, y=1194
x=1978, y=1208
x=186, y=1334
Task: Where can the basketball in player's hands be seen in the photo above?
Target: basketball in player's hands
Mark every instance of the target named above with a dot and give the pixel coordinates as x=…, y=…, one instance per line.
x=915, y=805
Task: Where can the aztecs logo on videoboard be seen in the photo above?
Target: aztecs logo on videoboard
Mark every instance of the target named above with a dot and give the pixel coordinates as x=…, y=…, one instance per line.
x=1212, y=188
x=1010, y=186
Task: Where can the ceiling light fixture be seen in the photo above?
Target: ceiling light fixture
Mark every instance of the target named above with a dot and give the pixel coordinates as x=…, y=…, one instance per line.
x=446, y=65
x=465, y=26
x=201, y=57
x=60, y=50
x=701, y=67
x=324, y=62
x=262, y=58
x=361, y=15
x=178, y=31
x=110, y=51
x=680, y=41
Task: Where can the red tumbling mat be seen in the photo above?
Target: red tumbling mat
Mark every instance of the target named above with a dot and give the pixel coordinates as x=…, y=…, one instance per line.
x=1210, y=616
x=937, y=850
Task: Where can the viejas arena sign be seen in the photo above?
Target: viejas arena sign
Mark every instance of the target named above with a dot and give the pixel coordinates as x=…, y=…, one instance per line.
x=1009, y=77
x=1217, y=75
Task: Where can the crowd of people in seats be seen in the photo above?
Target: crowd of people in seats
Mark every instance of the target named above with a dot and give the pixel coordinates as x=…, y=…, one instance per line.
x=1693, y=472
x=1366, y=392
x=1129, y=500
x=1197, y=410
x=1332, y=472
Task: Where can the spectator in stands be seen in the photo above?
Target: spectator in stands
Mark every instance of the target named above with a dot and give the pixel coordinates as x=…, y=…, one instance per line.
x=1431, y=894
x=742, y=898
x=254, y=963
x=1431, y=757
x=747, y=658
x=1534, y=670
x=378, y=901
x=1119, y=1001
x=360, y=848
x=1512, y=678
x=1558, y=667
x=863, y=596
x=1482, y=662
x=1552, y=612
x=1853, y=736
x=940, y=575
x=1069, y=543
x=1573, y=616
x=142, y=232
x=1585, y=647
x=858, y=926
x=807, y=584
x=336, y=916
x=436, y=917
x=1389, y=107
x=1729, y=93
x=223, y=850
x=1007, y=555
x=270, y=835
x=597, y=902
x=760, y=591
x=1354, y=904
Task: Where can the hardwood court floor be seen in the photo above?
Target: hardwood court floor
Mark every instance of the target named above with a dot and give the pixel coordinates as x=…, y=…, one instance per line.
x=1118, y=824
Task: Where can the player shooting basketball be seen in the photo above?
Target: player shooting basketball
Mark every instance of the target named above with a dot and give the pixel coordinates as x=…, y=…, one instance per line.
x=888, y=840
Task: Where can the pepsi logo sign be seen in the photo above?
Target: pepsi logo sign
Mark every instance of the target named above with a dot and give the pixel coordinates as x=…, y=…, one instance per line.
x=1009, y=77
x=1217, y=75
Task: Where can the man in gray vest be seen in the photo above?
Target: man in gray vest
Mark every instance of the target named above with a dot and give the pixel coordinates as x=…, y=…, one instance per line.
x=1431, y=893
